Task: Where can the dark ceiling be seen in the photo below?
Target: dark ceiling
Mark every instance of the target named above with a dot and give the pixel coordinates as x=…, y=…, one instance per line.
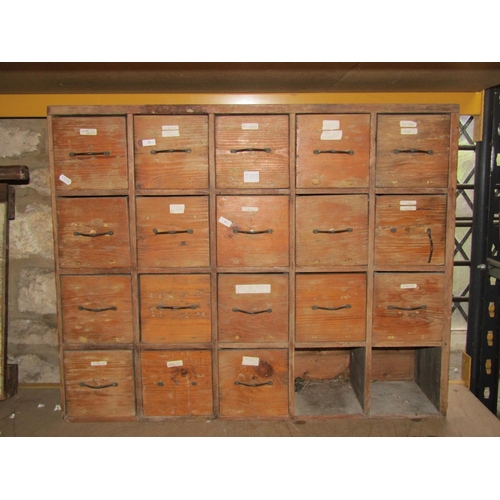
x=117, y=78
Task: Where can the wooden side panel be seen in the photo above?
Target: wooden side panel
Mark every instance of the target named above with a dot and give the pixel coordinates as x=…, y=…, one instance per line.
x=330, y=307
x=253, y=383
x=93, y=233
x=393, y=364
x=252, y=151
x=428, y=373
x=99, y=384
x=177, y=383
x=346, y=216
x=358, y=373
x=175, y=308
x=413, y=150
x=90, y=153
x=173, y=231
x=96, y=309
x=253, y=308
x=171, y=152
x=333, y=151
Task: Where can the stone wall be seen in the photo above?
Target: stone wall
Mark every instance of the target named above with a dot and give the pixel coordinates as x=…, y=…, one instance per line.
x=32, y=323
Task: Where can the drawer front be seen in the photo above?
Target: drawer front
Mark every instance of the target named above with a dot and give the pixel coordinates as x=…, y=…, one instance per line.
x=410, y=229
x=175, y=308
x=171, y=152
x=176, y=383
x=330, y=307
x=252, y=151
x=173, y=231
x=99, y=384
x=93, y=233
x=90, y=153
x=252, y=231
x=253, y=383
x=333, y=151
x=409, y=308
x=96, y=309
x=253, y=308
x=413, y=150
x=332, y=230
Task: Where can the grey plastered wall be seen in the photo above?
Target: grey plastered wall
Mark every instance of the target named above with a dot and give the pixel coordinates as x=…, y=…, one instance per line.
x=32, y=328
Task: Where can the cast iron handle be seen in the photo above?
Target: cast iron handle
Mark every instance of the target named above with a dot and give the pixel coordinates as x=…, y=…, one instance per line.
x=188, y=231
x=158, y=151
x=97, y=310
x=333, y=151
x=431, y=244
x=236, y=310
x=411, y=151
x=252, y=231
x=407, y=308
x=113, y=384
x=90, y=153
x=345, y=306
x=333, y=231
x=176, y=308
x=93, y=235
x=244, y=150
x=257, y=384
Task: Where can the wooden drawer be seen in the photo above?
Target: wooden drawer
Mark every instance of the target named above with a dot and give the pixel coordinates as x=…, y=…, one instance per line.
x=90, y=153
x=409, y=308
x=171, y=152
x=413, y=150
x=253, y=308
x=93, y=233
x=99, y=384
x=410, y=229
x=176, y=383
x=175, y=308
x=96, y=309
x=330, y=307
x=332, y=230
x=173, y=231
x=252, y=151
x=253, y=383
x=253, y=231
x=333, y=151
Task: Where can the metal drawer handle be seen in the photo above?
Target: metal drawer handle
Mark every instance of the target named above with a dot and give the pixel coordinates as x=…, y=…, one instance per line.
x=93, y=235
x=83, y=384
x=345, y=306
x=91, y=153
x=333, y=151
x=407, y=308
x=158, y=151
x=244, y=150
x=411, y=151
x=252, y=231
x=431, y=244
x=258, y=384
x=236, y=310
x=333, y=231
x=177, y=308
x=97, y=310
x=188, y=231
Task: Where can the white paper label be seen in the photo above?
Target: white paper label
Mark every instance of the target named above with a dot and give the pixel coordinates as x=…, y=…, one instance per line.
x=88, y=131
x=170, y=127
x=250, y=361
x=249, y=126
x=331, y=135
x=149, y=142
x=253, y=288
x=98, y=363
x=407, y=123
x=409, y=131
x=172, y=364
x=249, y=209
x=331, y=124
x=406, y=208
x=225, y=221
x=408, y=202
x=65, y=179
x=251, y=176
x=177, y=209
x=409, y=285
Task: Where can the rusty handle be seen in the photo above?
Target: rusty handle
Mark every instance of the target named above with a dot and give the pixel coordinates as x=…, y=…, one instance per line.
x=113, y=384
x=244, y=150
x=345, y=306
x=257, y=384
x=333, y=231
x=252, y=231
x=97, y=310
x=94, y=235
x=188, y=231
x=407, y=308
x=236, y=310
x=412, y=151
x=431, y=244
x=159, y=151
x=177, y=308
x=333, y=151
x=90, y=153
